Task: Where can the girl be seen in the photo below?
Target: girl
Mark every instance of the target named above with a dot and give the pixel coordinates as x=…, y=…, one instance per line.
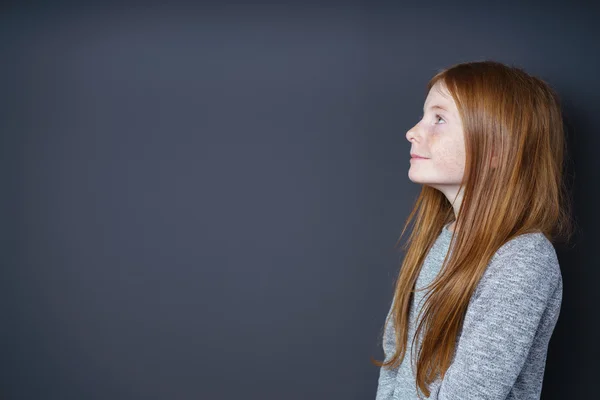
x=489, y=153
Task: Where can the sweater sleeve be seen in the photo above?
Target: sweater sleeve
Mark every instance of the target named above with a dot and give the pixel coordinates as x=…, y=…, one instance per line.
x=499, y=327
x=387, y=377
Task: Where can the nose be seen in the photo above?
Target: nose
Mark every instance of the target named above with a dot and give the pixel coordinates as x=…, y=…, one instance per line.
x=411, y=135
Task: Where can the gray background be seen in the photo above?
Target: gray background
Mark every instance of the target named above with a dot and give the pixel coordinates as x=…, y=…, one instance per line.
x=202, y=202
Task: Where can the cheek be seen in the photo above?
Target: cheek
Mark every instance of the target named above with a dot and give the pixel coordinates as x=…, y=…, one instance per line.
x=451, y=157
x=450, y=166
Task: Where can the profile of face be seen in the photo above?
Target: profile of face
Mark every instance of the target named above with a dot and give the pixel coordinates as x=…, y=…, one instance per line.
x=439, y=138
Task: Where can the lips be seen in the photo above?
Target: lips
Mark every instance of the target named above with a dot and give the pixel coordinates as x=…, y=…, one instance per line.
x=412, y=155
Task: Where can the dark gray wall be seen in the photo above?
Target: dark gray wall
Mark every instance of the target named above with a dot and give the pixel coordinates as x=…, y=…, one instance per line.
x=202, y=202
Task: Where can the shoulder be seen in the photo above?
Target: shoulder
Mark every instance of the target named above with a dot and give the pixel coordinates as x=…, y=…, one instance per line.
x=528, y=261
x=531, y=251
x=535, y=241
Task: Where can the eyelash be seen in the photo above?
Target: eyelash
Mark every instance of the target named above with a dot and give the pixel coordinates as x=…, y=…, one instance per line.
x=436, y=117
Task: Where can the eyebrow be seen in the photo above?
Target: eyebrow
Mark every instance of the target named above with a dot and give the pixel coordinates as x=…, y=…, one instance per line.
x=437, y=106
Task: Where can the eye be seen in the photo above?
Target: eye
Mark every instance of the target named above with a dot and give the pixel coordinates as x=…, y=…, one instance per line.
x=437, y=117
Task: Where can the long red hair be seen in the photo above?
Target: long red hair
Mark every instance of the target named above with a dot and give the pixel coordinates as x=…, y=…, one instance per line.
x=517, y=118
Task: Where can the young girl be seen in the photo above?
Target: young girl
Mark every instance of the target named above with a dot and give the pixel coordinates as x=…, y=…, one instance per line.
x=480, y=288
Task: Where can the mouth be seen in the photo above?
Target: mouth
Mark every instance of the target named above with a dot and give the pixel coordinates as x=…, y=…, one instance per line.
x=417, y=157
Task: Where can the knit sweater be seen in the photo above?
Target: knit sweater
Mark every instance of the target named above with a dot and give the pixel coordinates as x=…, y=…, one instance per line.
x=502, y=346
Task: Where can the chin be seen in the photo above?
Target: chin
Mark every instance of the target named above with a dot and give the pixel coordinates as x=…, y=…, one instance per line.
x=422, y=181
x=415, y=179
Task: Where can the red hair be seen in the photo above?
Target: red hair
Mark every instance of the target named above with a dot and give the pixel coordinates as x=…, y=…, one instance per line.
x=517, y=118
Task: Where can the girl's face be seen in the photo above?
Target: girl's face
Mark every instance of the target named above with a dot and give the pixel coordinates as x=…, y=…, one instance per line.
x=438, y=137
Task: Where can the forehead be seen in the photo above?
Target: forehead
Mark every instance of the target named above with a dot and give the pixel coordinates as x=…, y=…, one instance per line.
x=439, y=95
x=440, y=98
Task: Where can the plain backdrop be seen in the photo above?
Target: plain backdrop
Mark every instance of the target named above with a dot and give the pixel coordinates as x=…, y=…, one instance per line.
x=201, y=201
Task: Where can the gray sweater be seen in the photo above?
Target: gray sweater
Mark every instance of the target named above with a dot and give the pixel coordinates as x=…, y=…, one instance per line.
x=502, y=347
